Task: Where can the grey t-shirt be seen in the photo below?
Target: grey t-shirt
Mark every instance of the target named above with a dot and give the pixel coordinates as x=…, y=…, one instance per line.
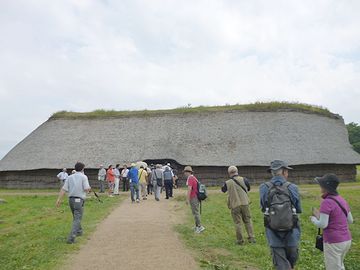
x=76, y=184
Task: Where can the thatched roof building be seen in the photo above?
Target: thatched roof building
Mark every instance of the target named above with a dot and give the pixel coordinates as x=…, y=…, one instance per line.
x=209, y=140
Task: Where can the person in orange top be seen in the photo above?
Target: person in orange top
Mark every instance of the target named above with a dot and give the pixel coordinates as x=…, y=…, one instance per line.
x=110, y=177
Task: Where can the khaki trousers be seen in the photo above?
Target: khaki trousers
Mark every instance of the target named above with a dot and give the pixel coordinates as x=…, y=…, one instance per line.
x=334, y=255
x=242, y=214
x=195, y=209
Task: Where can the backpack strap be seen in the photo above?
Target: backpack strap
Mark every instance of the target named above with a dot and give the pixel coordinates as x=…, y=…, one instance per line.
x=236, y=181
x=338, y=203
x=140, y=175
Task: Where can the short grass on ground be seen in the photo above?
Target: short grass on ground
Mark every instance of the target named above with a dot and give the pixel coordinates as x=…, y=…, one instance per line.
x=33, y=232
x=215, y=248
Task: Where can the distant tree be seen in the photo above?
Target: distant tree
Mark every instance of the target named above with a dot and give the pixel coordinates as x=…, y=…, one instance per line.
x=354, y=135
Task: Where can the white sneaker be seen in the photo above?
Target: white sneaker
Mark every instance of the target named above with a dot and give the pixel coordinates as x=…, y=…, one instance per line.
x=137, y=200
x=199, y=229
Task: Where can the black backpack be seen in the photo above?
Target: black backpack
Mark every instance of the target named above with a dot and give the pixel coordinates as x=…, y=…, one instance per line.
x=280, y=214
x=202, y=194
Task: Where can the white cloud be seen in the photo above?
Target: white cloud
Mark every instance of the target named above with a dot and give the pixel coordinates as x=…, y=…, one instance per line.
x=84, y=55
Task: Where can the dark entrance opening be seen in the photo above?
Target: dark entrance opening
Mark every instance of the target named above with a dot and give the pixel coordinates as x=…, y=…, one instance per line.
x=173, y=163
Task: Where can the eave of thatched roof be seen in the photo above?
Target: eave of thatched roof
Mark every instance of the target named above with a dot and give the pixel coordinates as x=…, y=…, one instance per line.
x=202, y=139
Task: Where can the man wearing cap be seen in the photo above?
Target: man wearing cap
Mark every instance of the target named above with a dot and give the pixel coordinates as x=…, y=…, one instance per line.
x=77, y=185
x=125, y=179
x=238, y=202
x=283, y=245
x=62, y=176
x=134, y=183
x=192, y=198
x=101, y=178
x=157, y=179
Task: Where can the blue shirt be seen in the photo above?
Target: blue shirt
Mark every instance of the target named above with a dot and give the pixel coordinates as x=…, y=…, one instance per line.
x=134, y=175
x=282, y=239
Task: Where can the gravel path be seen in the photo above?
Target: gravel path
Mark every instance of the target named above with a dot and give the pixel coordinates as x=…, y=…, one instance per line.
x=135, y=236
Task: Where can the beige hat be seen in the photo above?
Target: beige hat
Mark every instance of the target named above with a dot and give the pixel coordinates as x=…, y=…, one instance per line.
x=188, y=169
x=133, y=164
x=232, y=169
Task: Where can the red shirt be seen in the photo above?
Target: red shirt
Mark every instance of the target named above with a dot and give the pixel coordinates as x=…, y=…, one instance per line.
x=110, y=175
x=193, y=183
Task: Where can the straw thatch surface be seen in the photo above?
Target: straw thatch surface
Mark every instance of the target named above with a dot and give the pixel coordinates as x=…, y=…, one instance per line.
x=200, y=139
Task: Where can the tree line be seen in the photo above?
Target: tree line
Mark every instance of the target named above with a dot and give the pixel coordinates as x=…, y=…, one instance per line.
x=354, y=135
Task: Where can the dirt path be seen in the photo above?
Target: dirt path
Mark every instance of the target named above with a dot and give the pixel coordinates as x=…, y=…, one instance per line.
x=135, y=236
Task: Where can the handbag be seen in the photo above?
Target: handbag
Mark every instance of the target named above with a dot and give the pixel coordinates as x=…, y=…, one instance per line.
x=319, y=241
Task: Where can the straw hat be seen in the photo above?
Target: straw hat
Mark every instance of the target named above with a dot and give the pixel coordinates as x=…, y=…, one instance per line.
x=188, y=169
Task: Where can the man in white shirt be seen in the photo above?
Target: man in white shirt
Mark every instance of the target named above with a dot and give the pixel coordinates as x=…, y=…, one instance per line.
x=101, y=178
x=117, y=179
x=62, y=176
x=77, y=185
x=124, y=176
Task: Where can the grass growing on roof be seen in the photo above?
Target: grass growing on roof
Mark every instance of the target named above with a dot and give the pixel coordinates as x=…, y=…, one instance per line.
x=215, y=248
x=33, y=232
x=253, y=107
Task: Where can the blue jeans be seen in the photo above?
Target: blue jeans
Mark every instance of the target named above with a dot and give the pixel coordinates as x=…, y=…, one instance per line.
x=134, y=189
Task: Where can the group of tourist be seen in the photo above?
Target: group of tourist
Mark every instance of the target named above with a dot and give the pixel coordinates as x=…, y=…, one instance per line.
x=279, y=201
x=141, y=180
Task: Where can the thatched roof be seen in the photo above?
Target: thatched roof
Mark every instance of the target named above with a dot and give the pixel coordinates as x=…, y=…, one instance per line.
x=218, y=138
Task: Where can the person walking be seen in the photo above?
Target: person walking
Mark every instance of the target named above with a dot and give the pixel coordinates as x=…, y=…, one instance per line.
x=134, y=183
x=101, y=178
x=76, y=185
x=125, y=179
x=168, y=182
x=334, y=218
x=143, y=182
x=280, y=203
x=117, y=179
x=239, y=204
x=150, y=186
x=157, y=179
x=192, y=198
x=62, y=176
x=110, y=177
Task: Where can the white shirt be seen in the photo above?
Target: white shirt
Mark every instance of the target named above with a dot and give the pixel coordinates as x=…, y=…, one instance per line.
x=125, y=172
x=63, y=175
x=76, y=184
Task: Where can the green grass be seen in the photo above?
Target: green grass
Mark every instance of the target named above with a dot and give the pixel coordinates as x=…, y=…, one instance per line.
x=254, y=107
x=33, y=232
x=215, y=248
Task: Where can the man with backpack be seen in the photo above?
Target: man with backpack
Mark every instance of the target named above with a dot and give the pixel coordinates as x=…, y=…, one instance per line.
x=192, y=198
x=134, y=183
x=280, y=203
x=168, y=182
x=157, y=178
x=238, y=202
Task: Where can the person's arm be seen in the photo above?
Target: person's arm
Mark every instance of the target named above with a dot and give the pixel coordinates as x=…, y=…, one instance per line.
x=61, y=195
x=322, y=222
x=188, y=194
x=296, y=197
x=224, y=188
x=350, y=218
x=86, y=185
x=263, y=191
x=247, y=184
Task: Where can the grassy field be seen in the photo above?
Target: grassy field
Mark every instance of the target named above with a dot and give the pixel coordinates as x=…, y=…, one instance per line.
x=253, y=107
x=33, y=232
x=215, y=248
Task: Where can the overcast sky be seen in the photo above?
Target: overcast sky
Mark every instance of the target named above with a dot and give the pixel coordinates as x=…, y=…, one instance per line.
x=82, y=55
